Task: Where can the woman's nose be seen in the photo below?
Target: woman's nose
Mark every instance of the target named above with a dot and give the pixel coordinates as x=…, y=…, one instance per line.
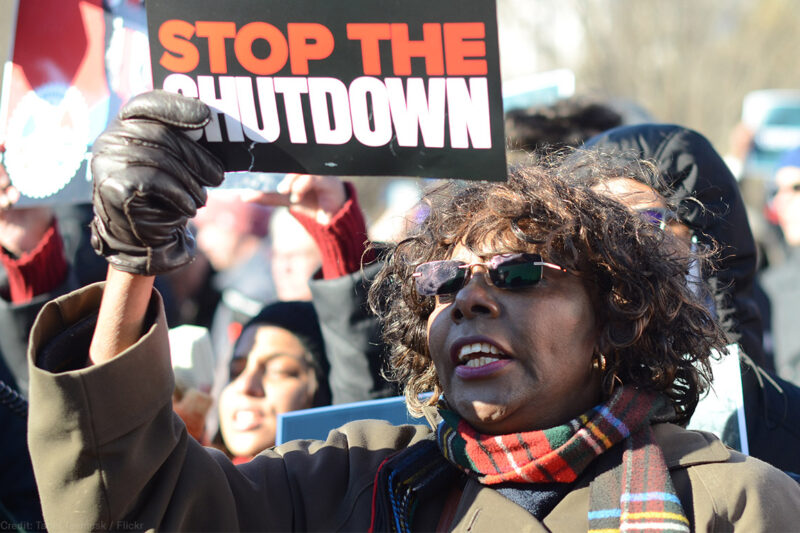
x=476, y=298
x=249, y=383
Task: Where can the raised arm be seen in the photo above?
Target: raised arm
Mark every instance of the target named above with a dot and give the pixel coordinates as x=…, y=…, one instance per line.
x=32, y=251
x=121, y=319
x=328, y=209
x=149, y=180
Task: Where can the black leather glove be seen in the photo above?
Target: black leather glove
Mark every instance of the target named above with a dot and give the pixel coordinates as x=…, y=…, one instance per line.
x=148, y=181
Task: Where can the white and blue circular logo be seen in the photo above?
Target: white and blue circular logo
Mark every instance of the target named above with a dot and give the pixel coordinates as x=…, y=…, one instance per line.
x=48, y=135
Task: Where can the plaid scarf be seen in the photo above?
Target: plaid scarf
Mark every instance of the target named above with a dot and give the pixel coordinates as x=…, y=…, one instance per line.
x=635, y=495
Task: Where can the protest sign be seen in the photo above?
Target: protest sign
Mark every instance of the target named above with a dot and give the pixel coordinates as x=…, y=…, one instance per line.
x=721, y=410
x=73, y=63
x=356, y=87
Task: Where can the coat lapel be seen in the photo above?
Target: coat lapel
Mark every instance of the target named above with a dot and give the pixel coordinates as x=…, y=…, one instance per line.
x=485, y=509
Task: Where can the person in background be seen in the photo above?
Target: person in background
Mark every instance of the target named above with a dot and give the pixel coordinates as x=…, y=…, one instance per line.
x=319, y=238
x=695, y=178
x=34, y=270
x=295, y=257
x=328, y=209
x=708, y=211
x=782, y=282
x=568, y=122
x=278, y=366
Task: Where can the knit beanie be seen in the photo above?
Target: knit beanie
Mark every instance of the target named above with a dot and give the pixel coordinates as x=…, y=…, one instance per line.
x=300, y=319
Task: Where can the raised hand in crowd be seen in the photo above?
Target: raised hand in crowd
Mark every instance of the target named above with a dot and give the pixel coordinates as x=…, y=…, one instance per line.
x=149, y=180
x=328, y=209
x=316, y=197
x=21, y=229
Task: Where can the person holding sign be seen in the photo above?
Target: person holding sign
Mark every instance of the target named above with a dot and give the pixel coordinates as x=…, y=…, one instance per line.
x=562, y=347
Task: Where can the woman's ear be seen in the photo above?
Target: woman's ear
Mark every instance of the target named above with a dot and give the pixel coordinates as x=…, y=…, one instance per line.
x=601, y=345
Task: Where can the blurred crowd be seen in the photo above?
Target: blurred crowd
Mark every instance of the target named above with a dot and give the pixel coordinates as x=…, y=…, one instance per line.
x=270, y=316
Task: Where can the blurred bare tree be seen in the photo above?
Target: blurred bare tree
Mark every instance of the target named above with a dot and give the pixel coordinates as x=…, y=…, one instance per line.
x=687, y=61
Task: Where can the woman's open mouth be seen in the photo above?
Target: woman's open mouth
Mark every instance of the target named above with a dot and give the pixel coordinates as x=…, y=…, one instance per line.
x=479, y=359
x=246, y=420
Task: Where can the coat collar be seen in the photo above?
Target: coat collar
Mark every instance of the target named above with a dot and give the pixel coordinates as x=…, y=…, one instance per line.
x=484, y=509
x=684, y=448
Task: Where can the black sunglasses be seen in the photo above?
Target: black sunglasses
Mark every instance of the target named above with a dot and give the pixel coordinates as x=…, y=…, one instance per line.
x=506, y=271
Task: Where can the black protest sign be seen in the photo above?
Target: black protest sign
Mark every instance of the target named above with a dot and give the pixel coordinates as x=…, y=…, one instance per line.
x=348, y=87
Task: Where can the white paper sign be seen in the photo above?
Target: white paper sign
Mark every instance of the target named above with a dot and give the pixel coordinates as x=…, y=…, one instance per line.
x=721, y=410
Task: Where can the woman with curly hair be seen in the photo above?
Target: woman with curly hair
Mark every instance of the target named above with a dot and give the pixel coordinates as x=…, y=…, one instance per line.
x=555, y=329
x=634, y=280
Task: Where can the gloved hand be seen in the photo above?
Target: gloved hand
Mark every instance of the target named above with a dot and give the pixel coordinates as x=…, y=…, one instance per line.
x=148, y=181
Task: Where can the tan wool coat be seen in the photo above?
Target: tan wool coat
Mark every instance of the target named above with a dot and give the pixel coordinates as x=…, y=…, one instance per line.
x=109, y=453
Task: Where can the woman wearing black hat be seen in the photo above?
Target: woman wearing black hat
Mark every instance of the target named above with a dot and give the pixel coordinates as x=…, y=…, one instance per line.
x=278, y=366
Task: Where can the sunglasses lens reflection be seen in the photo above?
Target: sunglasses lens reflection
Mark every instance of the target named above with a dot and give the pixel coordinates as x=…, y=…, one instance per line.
x=653, y=216
x=453, y=284
x=660, y=217
x=439, y=277
x=506, y=272
x=516, y=275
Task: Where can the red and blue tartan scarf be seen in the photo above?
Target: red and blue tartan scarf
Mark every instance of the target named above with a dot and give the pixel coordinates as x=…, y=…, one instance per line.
x=635, y=495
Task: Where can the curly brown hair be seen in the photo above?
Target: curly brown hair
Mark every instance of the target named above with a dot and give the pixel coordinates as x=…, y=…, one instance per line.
x=655, y=331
